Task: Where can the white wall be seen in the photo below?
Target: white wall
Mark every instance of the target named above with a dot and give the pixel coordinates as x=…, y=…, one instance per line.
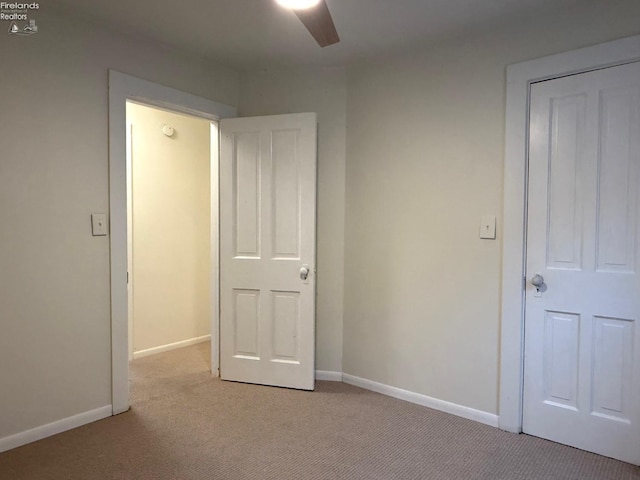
x=171, y=219
x=322, y=91
x=425, y=140
x=55, y=351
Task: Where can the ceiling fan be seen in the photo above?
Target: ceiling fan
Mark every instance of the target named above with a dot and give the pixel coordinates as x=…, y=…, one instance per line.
x=315, y=15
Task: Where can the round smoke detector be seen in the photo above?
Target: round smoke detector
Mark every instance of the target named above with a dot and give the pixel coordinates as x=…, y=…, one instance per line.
x=168, y=130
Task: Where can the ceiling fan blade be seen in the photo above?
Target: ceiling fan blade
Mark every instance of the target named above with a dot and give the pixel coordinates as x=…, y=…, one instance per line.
x=319, y=23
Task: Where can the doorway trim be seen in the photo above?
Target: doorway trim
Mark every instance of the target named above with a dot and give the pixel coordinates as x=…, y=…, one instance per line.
x=520, y=76
x=123, y=87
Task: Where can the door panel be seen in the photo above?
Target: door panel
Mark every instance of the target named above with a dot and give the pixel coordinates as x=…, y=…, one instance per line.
x=616, y=192
x=582, y=341
x=612, y=368
x=267, y=234
x=286, y=324
x=286, y=195
x=565, y=198
x=560, y=363
x=246, y=195
x=246, y=323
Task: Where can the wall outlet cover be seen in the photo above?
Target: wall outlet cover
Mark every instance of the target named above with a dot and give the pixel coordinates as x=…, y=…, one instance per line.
x=488, y=227
x=98, y=224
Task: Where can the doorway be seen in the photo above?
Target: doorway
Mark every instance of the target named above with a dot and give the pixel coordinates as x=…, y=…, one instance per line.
x=269, y=201
x=123, y=88
x=582, y=372
x=520, y=78
x=169, y=220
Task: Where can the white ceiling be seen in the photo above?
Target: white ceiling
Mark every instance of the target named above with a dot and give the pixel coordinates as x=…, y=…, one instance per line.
x=256, y=34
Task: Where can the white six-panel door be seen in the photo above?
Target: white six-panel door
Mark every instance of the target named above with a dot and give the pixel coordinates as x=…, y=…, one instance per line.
x=582, y=337
x=267, y=250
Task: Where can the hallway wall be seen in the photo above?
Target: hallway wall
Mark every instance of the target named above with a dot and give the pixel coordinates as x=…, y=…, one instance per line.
x=171, y=214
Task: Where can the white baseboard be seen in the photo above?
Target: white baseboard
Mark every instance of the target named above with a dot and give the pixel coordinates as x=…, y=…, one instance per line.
x=448, y=407
x=54, y=428
x=328, y=375
x=171, y=346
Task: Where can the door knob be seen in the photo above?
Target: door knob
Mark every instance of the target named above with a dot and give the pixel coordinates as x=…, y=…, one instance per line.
x=304, y=273
x=537, y=280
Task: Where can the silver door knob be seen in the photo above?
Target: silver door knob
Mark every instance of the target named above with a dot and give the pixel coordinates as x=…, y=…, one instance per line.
x=537, y=280
x=304, y=273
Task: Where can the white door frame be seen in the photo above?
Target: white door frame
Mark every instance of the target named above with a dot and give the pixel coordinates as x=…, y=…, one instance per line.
x=124, y=87
x=520, y=76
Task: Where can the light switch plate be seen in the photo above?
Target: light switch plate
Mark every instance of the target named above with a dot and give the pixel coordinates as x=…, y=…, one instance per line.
x=98, y=224
x=488, y=227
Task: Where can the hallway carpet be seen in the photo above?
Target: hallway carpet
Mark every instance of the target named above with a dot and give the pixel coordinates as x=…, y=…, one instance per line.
x=183, y=424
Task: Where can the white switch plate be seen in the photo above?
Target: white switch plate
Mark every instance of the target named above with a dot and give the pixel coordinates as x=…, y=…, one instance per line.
x=98, y=224
x=488, y=227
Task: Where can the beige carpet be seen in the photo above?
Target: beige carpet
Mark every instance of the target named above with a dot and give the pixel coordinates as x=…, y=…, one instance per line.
x=185, y=425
